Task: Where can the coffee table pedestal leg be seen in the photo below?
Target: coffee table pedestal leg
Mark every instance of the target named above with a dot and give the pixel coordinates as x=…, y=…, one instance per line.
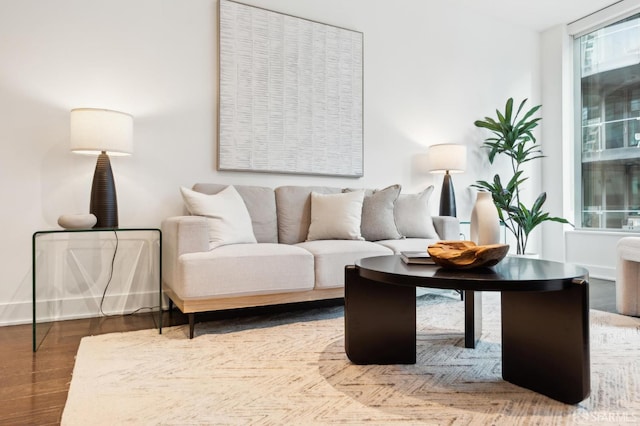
x=472, y=318
x=380, y=321
x=545, y=342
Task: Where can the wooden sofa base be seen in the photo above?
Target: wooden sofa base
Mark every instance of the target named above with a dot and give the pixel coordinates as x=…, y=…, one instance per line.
x=191, y=306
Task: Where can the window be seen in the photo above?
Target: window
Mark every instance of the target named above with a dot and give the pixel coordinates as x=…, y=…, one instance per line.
x=609, y=72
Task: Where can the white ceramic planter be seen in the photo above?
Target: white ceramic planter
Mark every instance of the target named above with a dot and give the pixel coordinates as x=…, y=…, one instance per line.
x=485, y=223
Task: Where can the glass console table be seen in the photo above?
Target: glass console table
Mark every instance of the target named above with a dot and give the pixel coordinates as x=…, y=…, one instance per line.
x=79, y=273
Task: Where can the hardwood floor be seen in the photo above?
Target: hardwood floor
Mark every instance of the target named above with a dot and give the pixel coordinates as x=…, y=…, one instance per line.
x=34, y=386
x=602, y=295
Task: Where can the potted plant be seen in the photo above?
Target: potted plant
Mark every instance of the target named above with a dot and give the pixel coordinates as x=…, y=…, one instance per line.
x=513, y=137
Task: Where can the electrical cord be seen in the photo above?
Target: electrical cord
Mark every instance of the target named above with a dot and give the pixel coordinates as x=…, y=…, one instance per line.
x=106, y=287
x=113, y=260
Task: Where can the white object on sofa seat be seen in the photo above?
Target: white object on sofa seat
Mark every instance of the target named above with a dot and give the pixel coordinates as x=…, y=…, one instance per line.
x=261, y=204
x=628, y=276
x=244, y=269
x=226, y=213
x=413, y=215
x=331, y=256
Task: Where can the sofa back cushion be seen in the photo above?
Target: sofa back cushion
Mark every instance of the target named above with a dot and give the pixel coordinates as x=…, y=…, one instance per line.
x=261, y=204
x=293, y=205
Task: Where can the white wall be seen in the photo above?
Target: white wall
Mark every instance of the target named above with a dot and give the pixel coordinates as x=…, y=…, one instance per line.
x=430, y=70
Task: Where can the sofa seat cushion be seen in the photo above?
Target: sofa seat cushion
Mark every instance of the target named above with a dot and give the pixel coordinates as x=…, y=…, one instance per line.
x=331, y=256
x=628, y=248
x=408, y=244
x=244, y=269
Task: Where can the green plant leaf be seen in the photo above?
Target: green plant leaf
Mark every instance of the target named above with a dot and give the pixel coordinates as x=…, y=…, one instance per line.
x=528, y=114
x=514, y=138
x=508, y=108
x=537, y=205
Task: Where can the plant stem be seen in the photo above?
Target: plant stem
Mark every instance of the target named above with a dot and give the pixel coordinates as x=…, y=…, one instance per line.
x=521, y=243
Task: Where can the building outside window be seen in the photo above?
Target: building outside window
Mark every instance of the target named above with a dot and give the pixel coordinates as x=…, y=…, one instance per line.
x=609, y=122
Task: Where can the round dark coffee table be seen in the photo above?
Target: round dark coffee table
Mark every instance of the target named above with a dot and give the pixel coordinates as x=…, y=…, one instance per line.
x=545, y=317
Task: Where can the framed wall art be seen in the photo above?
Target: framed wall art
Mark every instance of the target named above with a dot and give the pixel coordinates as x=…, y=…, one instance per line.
x=290, y=94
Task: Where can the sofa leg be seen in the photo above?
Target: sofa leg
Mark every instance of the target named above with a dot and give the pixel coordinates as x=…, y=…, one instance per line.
x=192, y=324
x=170, y=305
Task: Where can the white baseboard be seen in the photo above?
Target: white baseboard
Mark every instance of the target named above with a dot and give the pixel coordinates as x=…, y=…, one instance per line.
x=601, y=272
x=594, y=250
x=17, y=313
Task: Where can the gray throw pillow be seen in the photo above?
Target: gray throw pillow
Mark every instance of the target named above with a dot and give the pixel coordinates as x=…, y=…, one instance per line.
x=378, y=220
x=413, y=216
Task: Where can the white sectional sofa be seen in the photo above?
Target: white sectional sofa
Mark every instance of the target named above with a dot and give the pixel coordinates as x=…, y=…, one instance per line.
x=248, y=246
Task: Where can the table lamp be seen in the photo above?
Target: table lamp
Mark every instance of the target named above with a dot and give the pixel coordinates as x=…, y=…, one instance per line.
x=447, y=158
x=102, y=132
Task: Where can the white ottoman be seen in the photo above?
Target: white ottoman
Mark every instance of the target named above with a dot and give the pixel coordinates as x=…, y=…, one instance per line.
x=628, y=276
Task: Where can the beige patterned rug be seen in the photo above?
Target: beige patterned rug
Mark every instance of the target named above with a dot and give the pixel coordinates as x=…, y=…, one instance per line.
x=291, y=368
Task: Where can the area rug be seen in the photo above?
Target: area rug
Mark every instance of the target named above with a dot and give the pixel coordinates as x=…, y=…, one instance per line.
x=290, y=368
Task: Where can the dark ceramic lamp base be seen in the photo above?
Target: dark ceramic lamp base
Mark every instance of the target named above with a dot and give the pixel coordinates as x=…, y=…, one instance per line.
x=447, y=197
x=104, y=203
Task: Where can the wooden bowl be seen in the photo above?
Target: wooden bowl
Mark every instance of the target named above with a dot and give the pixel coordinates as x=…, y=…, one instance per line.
x=466, y=254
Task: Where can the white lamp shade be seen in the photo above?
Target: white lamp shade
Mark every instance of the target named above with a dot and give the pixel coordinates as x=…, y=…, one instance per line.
x=447, y=157
x=95, y=130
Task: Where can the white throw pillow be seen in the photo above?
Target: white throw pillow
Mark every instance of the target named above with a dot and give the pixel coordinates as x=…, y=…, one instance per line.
x=413, y=215
x=336, y=216
x=226, y=212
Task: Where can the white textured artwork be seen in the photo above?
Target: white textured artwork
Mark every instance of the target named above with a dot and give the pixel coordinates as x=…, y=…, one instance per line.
x=290, y=94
